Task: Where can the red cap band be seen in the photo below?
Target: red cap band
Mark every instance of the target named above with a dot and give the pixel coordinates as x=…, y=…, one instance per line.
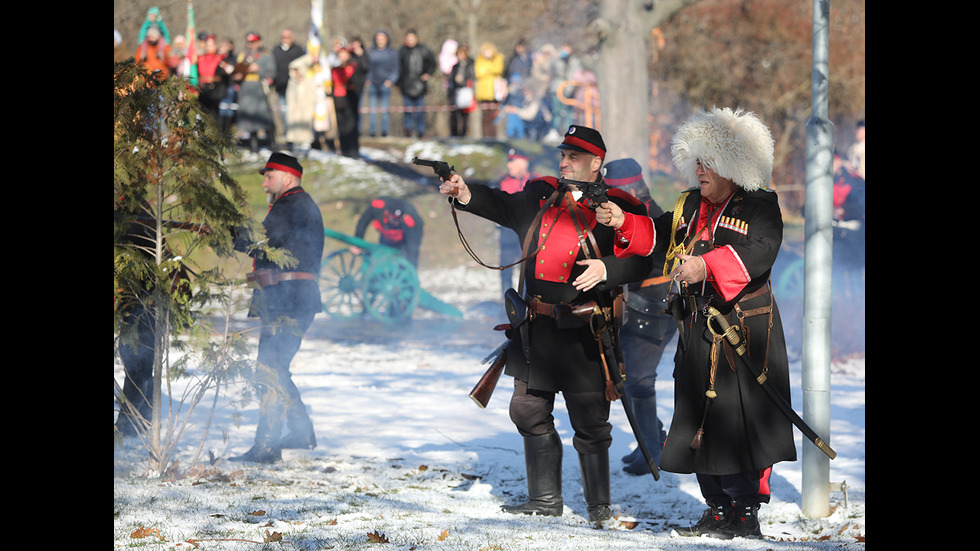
x=591, y=148
x=284, y=168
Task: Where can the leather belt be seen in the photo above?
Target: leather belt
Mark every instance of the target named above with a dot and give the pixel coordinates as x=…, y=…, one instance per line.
x=540, y=307
x=755, y=311
x=265, y=278
x=287, y=276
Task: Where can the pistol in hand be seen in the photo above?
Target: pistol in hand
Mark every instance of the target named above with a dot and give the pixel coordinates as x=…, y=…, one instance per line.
x=441, y=168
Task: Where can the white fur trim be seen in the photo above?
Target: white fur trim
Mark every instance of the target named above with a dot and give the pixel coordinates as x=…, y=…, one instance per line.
x=735, y=144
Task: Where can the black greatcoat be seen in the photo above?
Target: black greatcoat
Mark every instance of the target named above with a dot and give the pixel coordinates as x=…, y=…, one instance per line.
x=744, y=430
x=293, y=223
x=561, y=360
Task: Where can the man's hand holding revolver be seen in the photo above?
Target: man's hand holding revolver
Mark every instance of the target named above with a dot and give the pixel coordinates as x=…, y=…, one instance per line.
x=456, y=187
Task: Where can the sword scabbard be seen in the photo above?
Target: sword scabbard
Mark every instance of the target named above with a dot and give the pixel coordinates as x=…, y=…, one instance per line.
x=731, y=334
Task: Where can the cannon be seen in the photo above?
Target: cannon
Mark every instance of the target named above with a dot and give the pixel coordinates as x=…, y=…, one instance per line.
x=379, y=281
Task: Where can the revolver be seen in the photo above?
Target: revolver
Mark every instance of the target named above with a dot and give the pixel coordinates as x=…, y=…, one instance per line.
x=595, y=192
x=441, y=168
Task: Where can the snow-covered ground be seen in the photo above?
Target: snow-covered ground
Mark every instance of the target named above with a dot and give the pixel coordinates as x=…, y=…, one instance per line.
x=405, y=460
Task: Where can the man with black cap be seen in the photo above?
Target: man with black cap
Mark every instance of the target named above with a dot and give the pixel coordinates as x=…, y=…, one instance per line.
x=286, y=300
x=647, y=331
x=568, y=288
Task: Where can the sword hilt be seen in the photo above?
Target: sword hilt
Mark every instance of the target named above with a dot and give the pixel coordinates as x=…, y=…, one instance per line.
x=729, y=331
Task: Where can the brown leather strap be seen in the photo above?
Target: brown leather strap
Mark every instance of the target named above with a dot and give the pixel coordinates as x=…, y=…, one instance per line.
x=266, y=278
x=582, y=229
x=540, y=307
x=531, y=231
x=654, y=281
x=767, y=309
x=755, y=311
x=288, y=276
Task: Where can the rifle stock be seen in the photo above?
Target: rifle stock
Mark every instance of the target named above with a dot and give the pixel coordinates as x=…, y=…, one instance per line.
x=488, y=382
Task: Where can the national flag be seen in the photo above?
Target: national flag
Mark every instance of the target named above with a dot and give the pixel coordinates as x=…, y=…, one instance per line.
x=189, y=64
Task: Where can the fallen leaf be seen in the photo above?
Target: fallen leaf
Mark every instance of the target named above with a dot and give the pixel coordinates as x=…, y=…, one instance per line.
x=144, y=532
x=258, y=513
x=377, y=538
x=275, y=536
x=443, y=535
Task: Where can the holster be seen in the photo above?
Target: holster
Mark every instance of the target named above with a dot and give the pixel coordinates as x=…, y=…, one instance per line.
x=516, y=308
x=571, y=316
x=517, y=314
x=261, y=278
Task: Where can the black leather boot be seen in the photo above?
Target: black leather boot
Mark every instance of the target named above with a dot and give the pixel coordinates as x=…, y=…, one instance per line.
x=595, y=484
x=744, y=523
x=714, y=519
x=266, y=448
x=542, y=459
x=301, y=435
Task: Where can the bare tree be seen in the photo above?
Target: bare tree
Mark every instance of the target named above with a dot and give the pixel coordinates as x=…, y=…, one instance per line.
x=624, y=30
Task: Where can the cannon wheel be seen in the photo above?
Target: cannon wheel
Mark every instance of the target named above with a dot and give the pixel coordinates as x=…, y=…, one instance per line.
x=341, y=291
x=790, y=282
x=391, y=289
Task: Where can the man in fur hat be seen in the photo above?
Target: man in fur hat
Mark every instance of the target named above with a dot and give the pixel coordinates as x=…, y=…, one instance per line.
x=554, y=350
x=721, y=241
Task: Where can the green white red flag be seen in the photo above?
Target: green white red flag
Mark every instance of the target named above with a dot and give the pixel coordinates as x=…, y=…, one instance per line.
x=189, y=64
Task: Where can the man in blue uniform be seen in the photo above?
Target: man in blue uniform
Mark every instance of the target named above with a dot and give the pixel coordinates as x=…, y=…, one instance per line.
x=286, y=300
x=648, y=330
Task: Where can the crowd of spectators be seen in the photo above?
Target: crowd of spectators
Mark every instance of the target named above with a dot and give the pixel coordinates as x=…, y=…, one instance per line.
x=285, y=97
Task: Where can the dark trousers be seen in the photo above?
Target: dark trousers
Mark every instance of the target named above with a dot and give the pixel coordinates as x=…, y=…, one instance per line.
x=588, y=412
x=137, y=360
x=749, y=488
x=279, y=396
x=458, y=123
x=642, y=355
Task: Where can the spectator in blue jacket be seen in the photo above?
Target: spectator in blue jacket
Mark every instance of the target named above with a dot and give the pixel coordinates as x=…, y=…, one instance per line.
x=383, y=73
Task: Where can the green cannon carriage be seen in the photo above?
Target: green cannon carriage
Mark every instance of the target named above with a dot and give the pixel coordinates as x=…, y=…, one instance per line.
x=378, y=281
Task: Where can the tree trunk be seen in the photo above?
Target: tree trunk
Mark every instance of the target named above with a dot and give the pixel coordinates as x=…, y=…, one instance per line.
x=624, y=28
